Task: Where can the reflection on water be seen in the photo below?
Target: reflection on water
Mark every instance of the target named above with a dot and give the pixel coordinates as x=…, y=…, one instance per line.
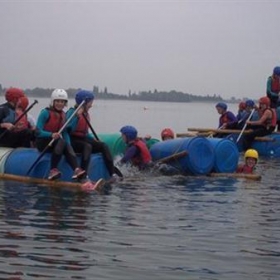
x=144, y=228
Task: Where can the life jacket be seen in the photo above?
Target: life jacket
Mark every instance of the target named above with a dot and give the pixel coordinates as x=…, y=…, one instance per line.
x=245, y=169
x=22, y=123
x=55, y=121
x=82, y=126
x=144, y=156
x=270, y=122
x=275, y=84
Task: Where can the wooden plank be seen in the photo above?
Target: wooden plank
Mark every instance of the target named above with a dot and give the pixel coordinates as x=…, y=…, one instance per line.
x=216, y=130
x=39, y=181
x=237, y=175
x=172, y=157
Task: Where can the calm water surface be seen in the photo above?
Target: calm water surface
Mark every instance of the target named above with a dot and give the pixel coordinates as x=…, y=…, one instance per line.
x=146, y=227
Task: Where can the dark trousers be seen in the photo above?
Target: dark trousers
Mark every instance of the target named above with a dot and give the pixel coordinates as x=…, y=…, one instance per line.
x=87, y=147
x=12, y=139
x=58, y=148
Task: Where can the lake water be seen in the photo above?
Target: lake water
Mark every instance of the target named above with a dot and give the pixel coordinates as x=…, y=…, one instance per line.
x=145, y=227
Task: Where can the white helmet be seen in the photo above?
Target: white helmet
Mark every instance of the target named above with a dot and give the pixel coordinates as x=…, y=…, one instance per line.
x=59, y=94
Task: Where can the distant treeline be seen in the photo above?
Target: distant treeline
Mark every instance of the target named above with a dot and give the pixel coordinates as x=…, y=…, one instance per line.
x=158, y=96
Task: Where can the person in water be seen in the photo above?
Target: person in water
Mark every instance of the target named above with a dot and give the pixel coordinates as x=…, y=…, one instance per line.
x=251, y=157
x=49, y=123
x=9, y=135
x=137, y=152
x=167, y=134
x=82, y=140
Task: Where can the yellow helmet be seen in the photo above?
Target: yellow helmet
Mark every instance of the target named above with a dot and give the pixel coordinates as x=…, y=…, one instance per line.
x=252, y=154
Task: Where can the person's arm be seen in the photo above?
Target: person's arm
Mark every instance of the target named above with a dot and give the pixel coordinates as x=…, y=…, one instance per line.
x=42, y=119
x=129, y=154
x=267, y=115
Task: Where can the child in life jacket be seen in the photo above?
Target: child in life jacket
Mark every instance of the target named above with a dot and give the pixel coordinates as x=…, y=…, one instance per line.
x=137, y=152
x=251, y=158
x=49, y=123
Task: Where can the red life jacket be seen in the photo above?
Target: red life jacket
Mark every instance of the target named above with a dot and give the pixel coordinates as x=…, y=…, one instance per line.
x=82, y=126
x=275, y=84
x=55, y=121
x=245, y=169
x=145, y=156
x=22, y=123
x=270, y=122
x=224, y=118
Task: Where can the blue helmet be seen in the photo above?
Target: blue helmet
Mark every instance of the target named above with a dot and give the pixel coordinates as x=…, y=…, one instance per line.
x=276, y=70
x=84, y=95
x=222, y=105
x=130, y=132
x=250, y=103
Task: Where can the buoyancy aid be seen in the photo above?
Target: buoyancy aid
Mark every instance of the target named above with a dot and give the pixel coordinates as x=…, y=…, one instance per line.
x=145, y=156
x=55, y=121
x=270, y=122
x=22, y=123
x=81, y=127
x=245, y=169
x=275, y=84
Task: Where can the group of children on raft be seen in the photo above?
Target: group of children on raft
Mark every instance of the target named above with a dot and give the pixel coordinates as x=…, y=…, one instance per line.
x=68, y=133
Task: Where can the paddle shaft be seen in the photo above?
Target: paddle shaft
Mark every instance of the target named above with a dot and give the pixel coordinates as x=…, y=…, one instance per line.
x=20, y=117
x=116, y=169
x=245, y=125
x=51, y=142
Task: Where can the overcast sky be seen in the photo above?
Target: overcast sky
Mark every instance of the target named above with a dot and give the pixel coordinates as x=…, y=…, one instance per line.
x=199, y=47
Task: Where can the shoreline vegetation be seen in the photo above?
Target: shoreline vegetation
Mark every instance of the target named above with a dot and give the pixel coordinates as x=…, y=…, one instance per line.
x=156, y=96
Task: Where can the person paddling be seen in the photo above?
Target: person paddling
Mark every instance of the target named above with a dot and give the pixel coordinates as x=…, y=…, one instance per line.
x=251, y=157
x=82, y=140
x=262, y=127
x=9, y=135
x=49, y=122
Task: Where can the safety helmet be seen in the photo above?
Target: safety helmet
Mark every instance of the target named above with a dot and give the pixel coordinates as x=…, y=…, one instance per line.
x=59, y=94
x=252, y=153
x=276, y=71
x=84, y=95
x=13, y=94
x=264, y=100
x=167, y=132
x=23, y=102
x=242, y=105
x=221, y=105
x=130, y=132
x=250, y=103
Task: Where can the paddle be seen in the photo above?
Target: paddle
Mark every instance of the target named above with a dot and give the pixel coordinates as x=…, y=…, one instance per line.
x=245, y=125
x=51, y=142
x=116, y=169
x=19, y=118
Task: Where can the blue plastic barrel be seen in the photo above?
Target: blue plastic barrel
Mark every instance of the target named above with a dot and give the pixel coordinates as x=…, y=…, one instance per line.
x=20, y=160
x=226, y=155
x=198, y=161
x=270, y=146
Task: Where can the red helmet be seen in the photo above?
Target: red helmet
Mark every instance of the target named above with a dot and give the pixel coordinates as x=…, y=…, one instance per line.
x=167, y=132
x=13, y=94
x=23, y=102
x=264, y=100
x=242, y=105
